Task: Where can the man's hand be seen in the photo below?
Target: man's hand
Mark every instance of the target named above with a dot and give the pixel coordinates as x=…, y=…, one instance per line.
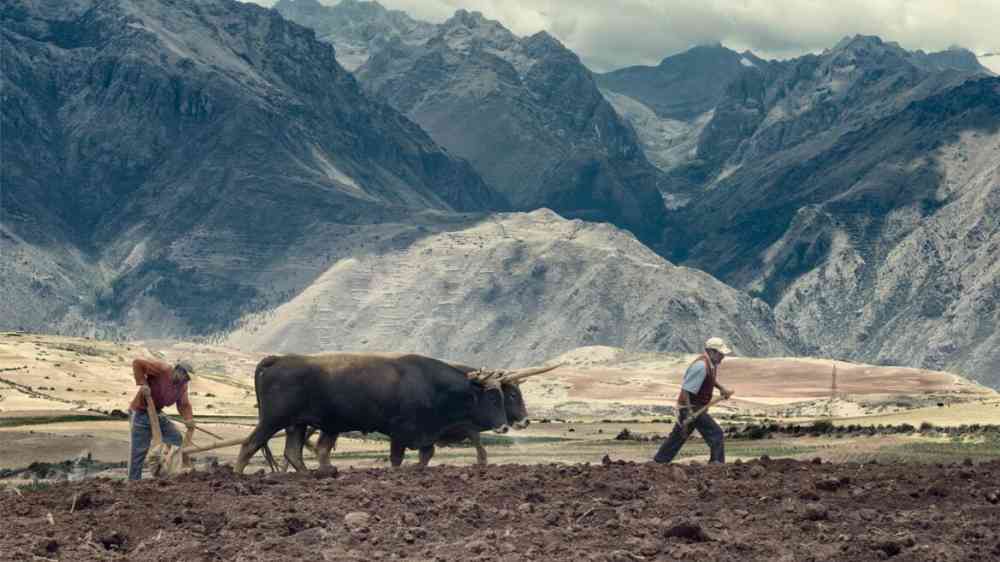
x=726, y=393
x=189, y=424
x=144, y=389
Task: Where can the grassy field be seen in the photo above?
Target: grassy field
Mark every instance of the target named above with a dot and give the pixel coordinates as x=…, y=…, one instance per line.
x=985, y=413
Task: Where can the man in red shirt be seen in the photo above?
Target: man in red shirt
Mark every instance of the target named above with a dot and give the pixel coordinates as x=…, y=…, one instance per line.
x=167, y=386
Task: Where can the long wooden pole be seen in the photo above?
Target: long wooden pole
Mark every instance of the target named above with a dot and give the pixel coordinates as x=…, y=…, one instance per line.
x=224, y=443
x=154, y=421
x=702, y=410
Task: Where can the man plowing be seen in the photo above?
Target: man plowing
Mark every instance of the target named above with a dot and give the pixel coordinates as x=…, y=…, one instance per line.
x=700, y=381
x=166, y=386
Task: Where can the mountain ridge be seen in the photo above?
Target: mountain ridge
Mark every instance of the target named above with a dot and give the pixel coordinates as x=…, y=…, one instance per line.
x=524, y=111
x=140, y=136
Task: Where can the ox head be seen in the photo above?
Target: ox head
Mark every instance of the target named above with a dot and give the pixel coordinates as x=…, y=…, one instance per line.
x=488, y=410
x=508, y=383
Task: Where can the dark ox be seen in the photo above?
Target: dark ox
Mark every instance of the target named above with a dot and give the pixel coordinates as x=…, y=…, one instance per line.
x=514, y=408
x=412, y=399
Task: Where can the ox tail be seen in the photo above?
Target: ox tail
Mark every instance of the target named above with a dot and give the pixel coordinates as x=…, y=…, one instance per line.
x=266, y=449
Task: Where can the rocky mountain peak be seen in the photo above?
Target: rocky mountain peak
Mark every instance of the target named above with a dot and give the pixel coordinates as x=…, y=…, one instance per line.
x=705, y=53
x=356, y=28
x=957, y=58
x=858, y=42
x=466, y=18
x=527, y=114
x=684, y=86
x=303, y=5
x=543, y=44
x=467, y=30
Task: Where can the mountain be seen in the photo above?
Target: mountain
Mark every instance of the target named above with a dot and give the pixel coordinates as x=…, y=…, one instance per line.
x=808, y=101
x=854, y=192
x=356, y=28
x=187, y=168
x=523, y=110
x=511, y=289
x=669, y=105
x=682, y=86
x=161, y=157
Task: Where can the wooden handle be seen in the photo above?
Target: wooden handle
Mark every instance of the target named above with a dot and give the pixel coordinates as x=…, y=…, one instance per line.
x=154, y=421
x=226, y=443
x=199, y=428
x=702, y=410
x=215, y=445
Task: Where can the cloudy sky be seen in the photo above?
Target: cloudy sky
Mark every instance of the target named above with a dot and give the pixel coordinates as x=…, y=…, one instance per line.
x=609, y=34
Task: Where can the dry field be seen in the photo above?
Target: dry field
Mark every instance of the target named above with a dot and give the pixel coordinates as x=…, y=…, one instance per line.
x=54, y=392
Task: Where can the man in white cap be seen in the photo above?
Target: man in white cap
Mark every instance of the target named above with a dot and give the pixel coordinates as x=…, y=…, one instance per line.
x=700, y=381
x=167, y=386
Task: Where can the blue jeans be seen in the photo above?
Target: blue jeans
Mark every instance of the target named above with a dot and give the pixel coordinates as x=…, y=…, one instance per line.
x=706, y=426
x=140, y=435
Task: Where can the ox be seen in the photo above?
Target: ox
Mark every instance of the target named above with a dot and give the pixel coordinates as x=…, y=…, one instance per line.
x=412, y=399
x=514, y=408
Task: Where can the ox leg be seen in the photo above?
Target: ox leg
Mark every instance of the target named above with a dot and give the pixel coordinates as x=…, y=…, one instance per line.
x=425, y=455
x=308, y=444
x=257, y=439
x=295, y=438
x=480, y=450
x=327, y=443
x=396, y=452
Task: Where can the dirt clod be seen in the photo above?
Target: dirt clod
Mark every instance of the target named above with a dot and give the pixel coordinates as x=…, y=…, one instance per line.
x=357, y=519
x=47, y=547
x=325, y=472
x=687, y=530
x=829, y=484
x=816, y=512
x=478, y=546
x=113, y=541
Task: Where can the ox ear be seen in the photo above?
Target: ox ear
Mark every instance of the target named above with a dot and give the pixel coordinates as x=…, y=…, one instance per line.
x=486, y=378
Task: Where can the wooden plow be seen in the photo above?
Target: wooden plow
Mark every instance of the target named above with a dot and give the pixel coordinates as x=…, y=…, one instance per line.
x=164, y=459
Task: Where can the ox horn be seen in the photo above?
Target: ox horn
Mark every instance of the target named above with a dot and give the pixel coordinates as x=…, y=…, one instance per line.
x=517, y=377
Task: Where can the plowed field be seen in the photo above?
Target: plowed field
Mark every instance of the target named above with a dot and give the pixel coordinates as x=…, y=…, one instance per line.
x=617, y=511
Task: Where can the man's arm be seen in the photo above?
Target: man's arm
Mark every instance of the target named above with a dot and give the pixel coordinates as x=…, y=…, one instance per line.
x=726, y=393
x=142, y=370
x=184, y=408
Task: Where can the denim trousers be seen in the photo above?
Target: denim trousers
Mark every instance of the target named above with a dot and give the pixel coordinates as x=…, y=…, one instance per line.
x=140, y=435
x=706, y=426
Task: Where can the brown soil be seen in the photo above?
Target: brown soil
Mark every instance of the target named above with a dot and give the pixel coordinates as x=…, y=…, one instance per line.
x=764, y=510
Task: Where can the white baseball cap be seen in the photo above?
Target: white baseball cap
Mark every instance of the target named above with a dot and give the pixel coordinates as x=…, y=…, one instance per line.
x=719, y=345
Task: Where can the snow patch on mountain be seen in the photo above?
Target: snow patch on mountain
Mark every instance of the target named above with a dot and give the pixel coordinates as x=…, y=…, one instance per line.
x=667, y=142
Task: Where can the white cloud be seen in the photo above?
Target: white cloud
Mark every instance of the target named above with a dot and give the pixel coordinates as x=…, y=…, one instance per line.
x=609, y=34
